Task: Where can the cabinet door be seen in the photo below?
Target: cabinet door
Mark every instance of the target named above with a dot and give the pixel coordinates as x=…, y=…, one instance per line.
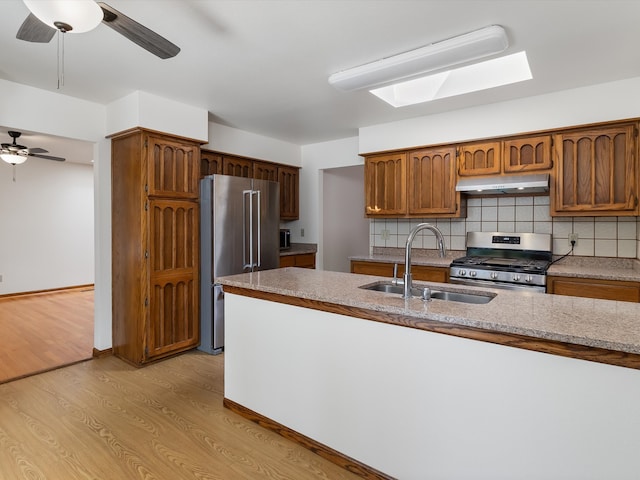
x=479, y=159
x=527, y=154
x=237, y=167
x=288, y=178
x=423, y=273
x=301, y=260
x=431, y=183
x=265, y=171
x=210, y=163
x=173, y=264
x=385, y=184
x=594, y=288
x=173, y=167
x=595, y=171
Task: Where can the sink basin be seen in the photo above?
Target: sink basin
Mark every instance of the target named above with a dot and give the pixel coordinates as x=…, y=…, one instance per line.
x=391, y=288
x=461, y=297
x=449, y=296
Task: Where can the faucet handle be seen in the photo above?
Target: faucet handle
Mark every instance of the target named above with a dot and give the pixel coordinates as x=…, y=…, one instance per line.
x=395, y=272
x=426, y=294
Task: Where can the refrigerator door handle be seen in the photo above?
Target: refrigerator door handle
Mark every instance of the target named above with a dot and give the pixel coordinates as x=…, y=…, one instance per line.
x=259, y=256
x=247, y=194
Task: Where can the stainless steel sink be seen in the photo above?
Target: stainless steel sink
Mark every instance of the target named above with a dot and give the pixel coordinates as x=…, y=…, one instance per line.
x=461, y=297
x=391, y=288
x=446, y=295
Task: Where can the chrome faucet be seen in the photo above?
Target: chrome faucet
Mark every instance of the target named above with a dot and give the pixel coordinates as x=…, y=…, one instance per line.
x=408, y=282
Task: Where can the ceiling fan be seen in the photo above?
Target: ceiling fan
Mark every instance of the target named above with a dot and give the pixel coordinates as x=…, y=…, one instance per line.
x=46, y=18
x=16, y=154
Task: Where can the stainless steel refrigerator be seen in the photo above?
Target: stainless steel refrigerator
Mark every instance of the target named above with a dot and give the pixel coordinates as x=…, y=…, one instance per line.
x=239, y=232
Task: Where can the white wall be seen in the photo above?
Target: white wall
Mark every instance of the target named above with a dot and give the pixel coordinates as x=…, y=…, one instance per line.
x=231, y=140
x=47, y=226
x=142, y=109
x=315, y=158
x=597, y=103
x=344, y=226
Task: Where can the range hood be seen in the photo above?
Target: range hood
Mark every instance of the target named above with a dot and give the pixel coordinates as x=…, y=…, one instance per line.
x=504, y=184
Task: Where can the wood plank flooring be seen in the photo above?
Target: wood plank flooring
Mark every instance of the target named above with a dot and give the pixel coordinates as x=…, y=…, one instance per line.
x=44, y=331
x=104, y=419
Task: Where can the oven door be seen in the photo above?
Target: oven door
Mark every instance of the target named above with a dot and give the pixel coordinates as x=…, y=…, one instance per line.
x=501, y=285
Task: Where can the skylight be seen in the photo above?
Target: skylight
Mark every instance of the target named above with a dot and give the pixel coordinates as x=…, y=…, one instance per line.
x=472, y=78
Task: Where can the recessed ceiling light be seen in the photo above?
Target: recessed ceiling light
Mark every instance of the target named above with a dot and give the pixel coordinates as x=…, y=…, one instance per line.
x=472, y=78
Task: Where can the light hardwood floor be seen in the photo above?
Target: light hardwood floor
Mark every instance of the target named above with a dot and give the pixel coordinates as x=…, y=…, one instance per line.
x=104, y=419
x=43, y=331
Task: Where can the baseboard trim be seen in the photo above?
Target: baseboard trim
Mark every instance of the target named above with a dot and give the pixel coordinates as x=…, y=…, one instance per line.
x=73, y=288
x=107, y=352
x=328, y=453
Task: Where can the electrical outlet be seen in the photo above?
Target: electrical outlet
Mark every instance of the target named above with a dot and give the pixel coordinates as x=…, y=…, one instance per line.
x=0, y=278
x=385, y=234
x=573, y=237
x=302, y=232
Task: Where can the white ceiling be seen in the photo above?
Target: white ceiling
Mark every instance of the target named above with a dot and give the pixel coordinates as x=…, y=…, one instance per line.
x=262, y=65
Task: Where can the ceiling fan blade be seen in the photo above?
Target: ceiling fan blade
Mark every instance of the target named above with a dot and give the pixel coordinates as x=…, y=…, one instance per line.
x=137, y=33
x=37, y=150
x=47, y=157
x=33, y=30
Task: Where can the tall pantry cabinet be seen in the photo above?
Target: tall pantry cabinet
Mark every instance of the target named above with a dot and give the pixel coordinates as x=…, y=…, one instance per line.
x=155, y=249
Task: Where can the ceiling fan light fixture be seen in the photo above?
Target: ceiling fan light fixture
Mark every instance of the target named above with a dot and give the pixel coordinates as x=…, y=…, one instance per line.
x=80, y=15
x=13, y=158
x=429, y=58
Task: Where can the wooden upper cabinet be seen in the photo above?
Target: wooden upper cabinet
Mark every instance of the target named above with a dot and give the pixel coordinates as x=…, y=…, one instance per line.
x=528, y=154
x=173, y=167
x=265, y=171
x=432, y=181
x=484, y=158
x=210, y=163
x=289, y=180
x=288, y=177
x=385, y=186
x=237, y=167
x=596, y=171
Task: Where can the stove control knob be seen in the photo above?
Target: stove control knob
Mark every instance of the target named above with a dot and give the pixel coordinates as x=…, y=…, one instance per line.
x=494, y=275
x=462, y=272
x=516, y=278
x=472, y=273
x=528, y=279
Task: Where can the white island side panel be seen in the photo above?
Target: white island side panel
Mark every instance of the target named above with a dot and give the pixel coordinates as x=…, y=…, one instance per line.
x=416, y=404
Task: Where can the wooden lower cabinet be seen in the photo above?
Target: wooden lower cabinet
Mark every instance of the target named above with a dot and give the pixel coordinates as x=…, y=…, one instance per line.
x=425, y=273
x=302, y=260
x=594, y=288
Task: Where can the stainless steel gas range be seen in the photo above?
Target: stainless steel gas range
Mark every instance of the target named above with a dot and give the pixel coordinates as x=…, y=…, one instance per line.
x=513, y=261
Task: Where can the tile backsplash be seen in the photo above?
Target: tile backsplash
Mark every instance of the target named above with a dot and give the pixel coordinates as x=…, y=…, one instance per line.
x=597, y=236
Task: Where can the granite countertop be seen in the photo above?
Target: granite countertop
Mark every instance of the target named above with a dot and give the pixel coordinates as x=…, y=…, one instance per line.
x=300, y=249
x=626, y=269
x=604, y=324
x=430, y=258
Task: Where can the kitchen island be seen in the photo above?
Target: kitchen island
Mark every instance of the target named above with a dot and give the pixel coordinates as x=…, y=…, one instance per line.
x=525, y=386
